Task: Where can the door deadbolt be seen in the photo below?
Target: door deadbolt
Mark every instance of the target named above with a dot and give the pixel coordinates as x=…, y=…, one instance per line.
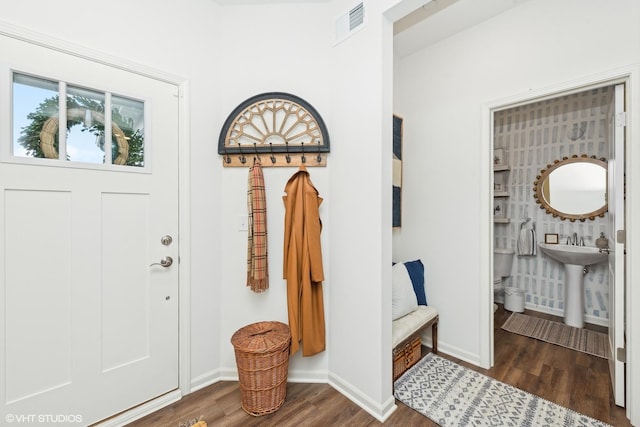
x=166, y=240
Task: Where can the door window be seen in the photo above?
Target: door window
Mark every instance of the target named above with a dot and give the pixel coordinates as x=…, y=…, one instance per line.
x=39, y=115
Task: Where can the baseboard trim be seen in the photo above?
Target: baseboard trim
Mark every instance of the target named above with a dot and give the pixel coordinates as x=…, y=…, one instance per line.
x=458, y=353
x=308, y=377
x=204, y=380
x=293, y=376
x=560, y=313
x=379, y=412
x=142, y=410
x=588, y=318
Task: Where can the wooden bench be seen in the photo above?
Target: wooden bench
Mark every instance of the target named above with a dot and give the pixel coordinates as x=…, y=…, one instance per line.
x=406, y=337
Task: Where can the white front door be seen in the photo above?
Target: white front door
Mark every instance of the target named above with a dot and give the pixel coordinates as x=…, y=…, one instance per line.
x=88, y=326
x=615, y=196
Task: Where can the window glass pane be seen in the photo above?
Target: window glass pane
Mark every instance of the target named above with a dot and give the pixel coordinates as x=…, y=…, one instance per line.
x=36, y=125
x=35, y=104
x=128, y=116
x=85, y=124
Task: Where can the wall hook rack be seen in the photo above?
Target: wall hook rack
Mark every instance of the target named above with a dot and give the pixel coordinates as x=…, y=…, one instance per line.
x=276, y=124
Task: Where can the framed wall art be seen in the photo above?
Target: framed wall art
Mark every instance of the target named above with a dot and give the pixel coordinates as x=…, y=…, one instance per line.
x=551, y=238
x=397, y=171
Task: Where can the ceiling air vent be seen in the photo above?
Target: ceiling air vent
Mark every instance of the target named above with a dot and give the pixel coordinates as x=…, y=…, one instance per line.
x=349, y=23
x=356, y=17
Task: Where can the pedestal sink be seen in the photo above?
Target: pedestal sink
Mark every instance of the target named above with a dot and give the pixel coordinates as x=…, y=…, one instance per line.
x=575, y=259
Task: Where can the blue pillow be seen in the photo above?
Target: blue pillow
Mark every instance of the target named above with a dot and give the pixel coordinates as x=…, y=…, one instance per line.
x=416, y=273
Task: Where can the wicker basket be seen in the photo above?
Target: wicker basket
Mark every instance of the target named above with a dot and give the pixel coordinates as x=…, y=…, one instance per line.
x=406, y=356
x=262, y=357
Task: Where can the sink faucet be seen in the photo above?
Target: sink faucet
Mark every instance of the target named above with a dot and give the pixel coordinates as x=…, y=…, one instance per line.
x=574, y=239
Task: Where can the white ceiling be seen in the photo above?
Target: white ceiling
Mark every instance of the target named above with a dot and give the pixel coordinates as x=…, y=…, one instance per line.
x=440, y=19
x=434, y=21
x=234, y=2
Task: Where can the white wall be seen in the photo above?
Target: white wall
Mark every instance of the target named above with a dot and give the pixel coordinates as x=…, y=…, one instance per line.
x=532, y=137
x=179, y=41
x=228, y=54
x=290, y=48
x=360, y=215
x=441, y=92
x=271, y=48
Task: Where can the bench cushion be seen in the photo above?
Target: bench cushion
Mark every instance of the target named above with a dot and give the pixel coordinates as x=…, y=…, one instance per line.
x=407, y=325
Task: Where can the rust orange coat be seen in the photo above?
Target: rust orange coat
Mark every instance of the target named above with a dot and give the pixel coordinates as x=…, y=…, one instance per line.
x=303, y=264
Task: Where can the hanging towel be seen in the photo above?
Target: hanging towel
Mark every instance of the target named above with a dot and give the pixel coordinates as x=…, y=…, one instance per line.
x=527, y=238
x=257, y=265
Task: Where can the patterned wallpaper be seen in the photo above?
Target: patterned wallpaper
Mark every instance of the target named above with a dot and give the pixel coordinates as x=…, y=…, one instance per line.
x=533, y=136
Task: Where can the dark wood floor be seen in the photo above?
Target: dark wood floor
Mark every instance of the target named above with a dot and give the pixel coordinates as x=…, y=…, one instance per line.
x=575, y=380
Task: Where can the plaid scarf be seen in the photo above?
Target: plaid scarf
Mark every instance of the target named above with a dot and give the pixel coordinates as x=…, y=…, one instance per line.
x=257, y=265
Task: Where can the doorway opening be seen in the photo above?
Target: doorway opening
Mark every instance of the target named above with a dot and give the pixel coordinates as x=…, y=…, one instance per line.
x=527, y=138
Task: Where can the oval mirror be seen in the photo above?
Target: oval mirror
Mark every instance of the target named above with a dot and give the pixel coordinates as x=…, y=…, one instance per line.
x=573, y=188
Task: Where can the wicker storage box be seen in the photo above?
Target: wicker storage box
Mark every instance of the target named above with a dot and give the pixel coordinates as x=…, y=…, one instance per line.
x=405, y=356
x=262, y=357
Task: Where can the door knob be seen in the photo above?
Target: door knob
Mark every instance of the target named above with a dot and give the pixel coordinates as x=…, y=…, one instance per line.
x=164, y=262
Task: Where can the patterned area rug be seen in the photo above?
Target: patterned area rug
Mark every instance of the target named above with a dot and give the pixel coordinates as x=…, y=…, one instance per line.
x=452, y=395
x=584, y=340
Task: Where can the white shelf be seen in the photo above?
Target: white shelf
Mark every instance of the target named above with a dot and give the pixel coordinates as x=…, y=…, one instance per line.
x=501, y=220
x=500, y=181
